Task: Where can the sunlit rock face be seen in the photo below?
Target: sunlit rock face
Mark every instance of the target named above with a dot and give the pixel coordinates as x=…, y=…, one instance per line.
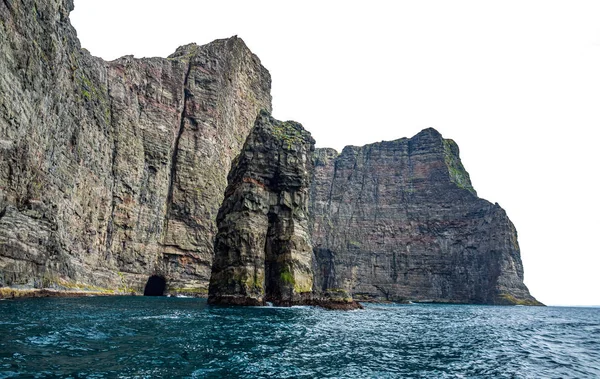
x=263, y=251
x=113, y=171
x=400, y=221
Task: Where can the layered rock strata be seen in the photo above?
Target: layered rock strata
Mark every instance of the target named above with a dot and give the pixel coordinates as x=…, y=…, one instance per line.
x=263, y=251
x=113, y=171
x=400, y=221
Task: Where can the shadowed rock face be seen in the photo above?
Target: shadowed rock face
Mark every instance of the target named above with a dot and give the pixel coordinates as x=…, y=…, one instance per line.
x=401, y=221
x=113, y=171
x=263, y=250
x=155, y=286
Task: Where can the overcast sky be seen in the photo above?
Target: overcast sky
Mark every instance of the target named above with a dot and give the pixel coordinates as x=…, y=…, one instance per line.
x=515, y=83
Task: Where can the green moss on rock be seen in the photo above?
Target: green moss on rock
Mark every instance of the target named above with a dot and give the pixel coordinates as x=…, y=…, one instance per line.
x=288, y=133
x=458, y=174
x=286, y=276
x=508, y=299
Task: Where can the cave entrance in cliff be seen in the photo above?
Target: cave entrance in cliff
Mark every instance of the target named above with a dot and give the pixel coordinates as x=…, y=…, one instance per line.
x=155, y=286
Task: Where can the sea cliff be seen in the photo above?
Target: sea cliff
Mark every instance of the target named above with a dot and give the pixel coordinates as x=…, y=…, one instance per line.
x=115, y=172
x=400, y=221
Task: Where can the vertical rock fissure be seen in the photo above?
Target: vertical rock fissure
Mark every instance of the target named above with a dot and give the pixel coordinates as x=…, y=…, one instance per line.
x=333, y=178
x=176, y=145
x=110, y=224
x=358, y=201
x=271, y=253
x=328, y=231
x=273, y=249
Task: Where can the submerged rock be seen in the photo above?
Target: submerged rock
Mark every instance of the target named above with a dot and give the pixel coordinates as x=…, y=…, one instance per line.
x=263, y=251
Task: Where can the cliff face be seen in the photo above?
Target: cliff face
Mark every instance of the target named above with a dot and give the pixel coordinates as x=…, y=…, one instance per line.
x=112, y=171
x=401, y=221
x=263, y=250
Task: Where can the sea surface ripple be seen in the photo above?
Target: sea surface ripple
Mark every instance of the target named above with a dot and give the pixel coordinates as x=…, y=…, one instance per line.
x=142, y=337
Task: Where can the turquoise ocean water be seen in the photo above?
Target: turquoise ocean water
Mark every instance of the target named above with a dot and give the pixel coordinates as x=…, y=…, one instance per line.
x=142, y=337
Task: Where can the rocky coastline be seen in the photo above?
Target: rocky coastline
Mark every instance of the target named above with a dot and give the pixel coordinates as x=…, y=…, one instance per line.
x=115, y=174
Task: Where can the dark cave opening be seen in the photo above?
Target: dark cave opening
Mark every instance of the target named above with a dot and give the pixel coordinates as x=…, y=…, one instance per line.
x=155, y=286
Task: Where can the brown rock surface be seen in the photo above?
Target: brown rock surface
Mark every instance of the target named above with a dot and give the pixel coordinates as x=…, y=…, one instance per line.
x=112, y=171
x=262, y=250
x=400, y=221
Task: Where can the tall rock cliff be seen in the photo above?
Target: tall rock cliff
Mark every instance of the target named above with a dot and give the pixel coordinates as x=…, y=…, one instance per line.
x=263, y=250
x=401, y=221
x=112, y=171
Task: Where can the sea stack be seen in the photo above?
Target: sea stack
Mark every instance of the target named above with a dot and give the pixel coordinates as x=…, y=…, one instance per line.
x=263, y=251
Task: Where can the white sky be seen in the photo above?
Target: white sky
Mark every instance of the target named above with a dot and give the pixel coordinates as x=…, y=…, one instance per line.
x=515, y=83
